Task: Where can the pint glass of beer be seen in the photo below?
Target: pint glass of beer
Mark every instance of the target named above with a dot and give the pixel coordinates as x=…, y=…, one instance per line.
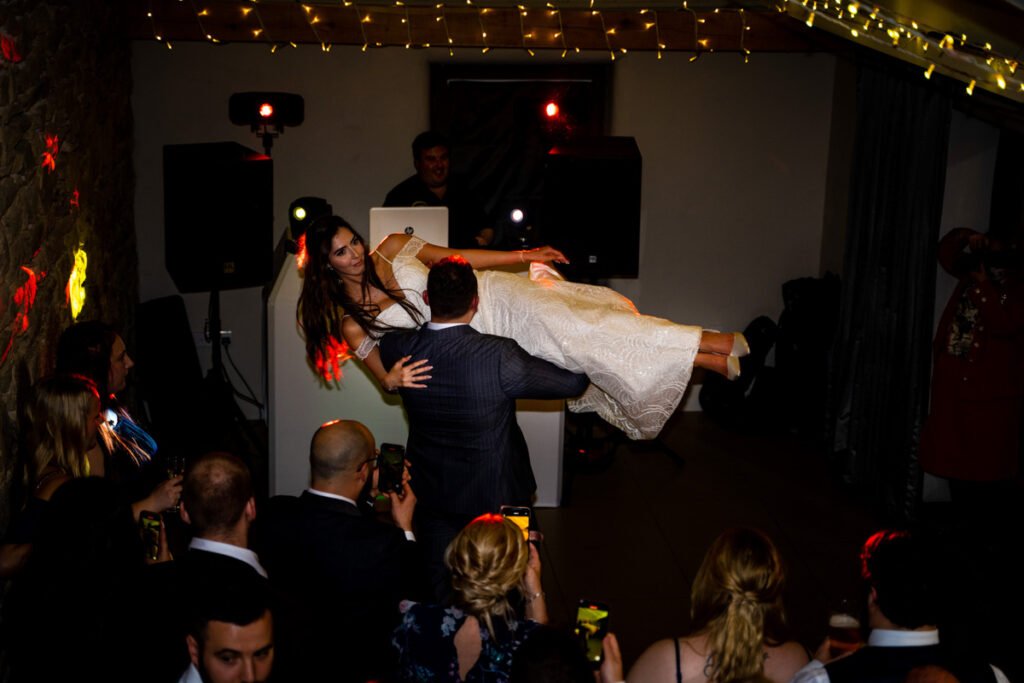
x=843, y=634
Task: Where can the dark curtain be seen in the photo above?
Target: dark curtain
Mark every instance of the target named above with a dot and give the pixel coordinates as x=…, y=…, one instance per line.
x=882, y=356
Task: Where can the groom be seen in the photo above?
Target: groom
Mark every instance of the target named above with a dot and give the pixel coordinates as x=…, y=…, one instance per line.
x=467, y=451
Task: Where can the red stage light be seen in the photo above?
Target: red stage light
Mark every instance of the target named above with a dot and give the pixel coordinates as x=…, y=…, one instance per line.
x=266, y=110
x=551, y=109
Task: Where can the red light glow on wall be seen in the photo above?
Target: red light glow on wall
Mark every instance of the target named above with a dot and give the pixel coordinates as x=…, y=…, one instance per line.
x=301, y=257
x=9, y=49
x=329, y=364
x=50, y=155
x=24, y=299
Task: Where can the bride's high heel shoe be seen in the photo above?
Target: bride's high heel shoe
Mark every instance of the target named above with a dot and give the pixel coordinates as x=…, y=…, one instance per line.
x=740, y=347
x=732, y=366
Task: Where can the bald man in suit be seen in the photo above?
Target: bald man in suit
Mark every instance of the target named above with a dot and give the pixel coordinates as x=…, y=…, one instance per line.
x=342, y=571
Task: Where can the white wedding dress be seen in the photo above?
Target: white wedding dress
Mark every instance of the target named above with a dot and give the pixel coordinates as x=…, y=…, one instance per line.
x=638, y=365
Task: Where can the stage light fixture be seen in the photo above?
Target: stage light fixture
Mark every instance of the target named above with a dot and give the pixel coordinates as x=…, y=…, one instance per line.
x=266, y=113
x=517, y=215
x=303, y=211
x=551, y=109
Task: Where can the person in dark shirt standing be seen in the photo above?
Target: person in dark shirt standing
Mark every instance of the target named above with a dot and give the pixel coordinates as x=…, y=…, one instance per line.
x=468, y=223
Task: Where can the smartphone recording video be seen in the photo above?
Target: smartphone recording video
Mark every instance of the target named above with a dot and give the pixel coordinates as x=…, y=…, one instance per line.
x=520, y=516
x=390, y=467
x=591, y=628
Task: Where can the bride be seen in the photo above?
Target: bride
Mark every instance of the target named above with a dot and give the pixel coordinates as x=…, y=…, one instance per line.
x=638, y=365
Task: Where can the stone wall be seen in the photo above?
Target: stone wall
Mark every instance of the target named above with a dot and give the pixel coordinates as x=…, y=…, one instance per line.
x=66, y=182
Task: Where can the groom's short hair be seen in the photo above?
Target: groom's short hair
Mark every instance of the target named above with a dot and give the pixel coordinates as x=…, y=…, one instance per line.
x=451, y=287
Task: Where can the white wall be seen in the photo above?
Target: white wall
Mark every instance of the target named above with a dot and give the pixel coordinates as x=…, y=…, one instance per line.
x=734, y=161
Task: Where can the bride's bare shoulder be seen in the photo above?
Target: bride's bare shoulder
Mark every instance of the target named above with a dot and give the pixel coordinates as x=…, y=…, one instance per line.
x=391, y=245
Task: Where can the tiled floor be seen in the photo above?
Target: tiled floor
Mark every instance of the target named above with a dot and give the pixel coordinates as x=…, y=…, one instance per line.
x=634, y=528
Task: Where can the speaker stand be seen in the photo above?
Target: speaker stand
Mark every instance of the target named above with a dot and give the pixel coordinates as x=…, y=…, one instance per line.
x=221, y=391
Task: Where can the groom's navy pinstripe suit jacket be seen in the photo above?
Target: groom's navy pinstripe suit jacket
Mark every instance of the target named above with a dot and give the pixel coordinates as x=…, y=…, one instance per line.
x=466, y=449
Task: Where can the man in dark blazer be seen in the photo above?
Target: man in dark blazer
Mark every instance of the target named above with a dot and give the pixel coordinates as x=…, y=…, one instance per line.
x=467, y=452
x=904, y=601
x=217, y=503
x=341, y=572
x=218, y=506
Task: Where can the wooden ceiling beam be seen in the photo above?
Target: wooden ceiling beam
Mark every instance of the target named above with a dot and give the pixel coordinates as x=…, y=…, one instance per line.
x=539, y=28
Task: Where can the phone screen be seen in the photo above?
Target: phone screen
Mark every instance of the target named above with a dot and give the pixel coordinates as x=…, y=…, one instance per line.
x=391, y=465
x=520, y=516
x=150, y=524
x=591, y=628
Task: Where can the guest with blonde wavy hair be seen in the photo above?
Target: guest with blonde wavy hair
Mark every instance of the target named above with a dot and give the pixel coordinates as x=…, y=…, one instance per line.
x=60, y=423
x=736, y=608
x=62, y=420
x=475, y=638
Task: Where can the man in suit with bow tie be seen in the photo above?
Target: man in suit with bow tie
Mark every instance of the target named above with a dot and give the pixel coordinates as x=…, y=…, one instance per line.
x=467, y=451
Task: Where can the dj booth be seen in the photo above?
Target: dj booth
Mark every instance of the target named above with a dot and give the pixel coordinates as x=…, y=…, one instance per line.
x=300, y=401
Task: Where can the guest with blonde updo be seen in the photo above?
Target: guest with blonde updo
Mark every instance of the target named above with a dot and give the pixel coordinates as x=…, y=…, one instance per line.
x=736, y=607
x=475, y=638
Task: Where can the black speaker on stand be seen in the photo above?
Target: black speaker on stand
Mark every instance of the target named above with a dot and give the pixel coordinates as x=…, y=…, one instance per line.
x=218, y=234
x=591, y=206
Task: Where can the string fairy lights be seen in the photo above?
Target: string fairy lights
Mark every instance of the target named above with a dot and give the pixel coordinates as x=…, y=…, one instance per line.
x=443, y=18
x=561, y=30
x=483, y=31
x=608, y=33
x=522, y=29
x=152, y=23
x=261, y=30
x=696, y=31
x=199, y=20
x=946, y=50
x=361, y=21
x=950, y=53
x=312, y=18
x=407, y=20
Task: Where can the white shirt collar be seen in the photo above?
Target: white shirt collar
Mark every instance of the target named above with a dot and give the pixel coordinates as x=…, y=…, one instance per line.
x=331, y=495
x=881, y=637
x=442, y=326
x=191, y=675
x=243, y=554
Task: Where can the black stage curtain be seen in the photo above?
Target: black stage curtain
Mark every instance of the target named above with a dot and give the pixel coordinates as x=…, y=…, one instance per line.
x=880, y=367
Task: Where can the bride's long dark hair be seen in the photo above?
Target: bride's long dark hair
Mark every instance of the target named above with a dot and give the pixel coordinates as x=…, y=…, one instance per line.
x=323, y=301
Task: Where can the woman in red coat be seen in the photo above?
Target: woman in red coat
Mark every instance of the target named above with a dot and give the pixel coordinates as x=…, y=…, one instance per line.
x=974, y=428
